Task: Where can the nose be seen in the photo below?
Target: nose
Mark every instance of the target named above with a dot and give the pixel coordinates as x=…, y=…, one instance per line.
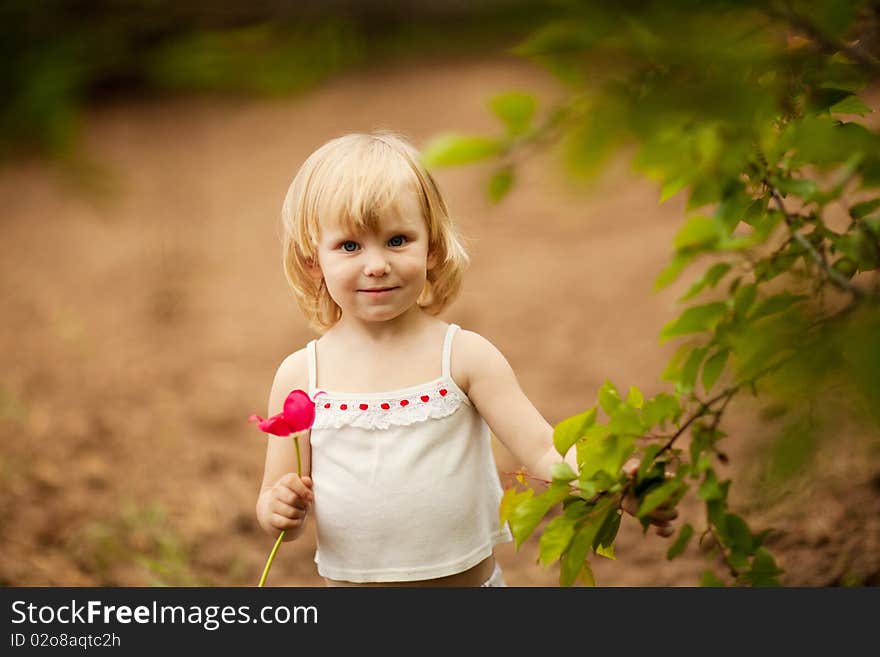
x=376, y=265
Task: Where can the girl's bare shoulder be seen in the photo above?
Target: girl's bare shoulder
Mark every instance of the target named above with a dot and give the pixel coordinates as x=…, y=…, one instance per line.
x=292, y=374
x=474, y=355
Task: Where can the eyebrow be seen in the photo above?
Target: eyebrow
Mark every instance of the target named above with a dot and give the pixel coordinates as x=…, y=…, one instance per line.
x=337, y=232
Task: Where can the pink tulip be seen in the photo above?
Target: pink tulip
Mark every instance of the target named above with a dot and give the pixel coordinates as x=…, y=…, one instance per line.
x=298, y=415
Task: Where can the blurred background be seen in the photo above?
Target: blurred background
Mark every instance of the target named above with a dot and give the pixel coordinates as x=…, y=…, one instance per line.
x=146, y=149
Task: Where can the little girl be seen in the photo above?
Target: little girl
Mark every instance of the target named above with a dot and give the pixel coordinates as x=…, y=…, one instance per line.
x=403, y=486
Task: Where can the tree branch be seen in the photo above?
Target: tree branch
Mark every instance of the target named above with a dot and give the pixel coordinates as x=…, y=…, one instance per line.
x=834, y=276
x=857, y=54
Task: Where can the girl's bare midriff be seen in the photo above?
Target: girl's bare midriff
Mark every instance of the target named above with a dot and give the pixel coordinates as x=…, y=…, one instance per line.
x=470, y=577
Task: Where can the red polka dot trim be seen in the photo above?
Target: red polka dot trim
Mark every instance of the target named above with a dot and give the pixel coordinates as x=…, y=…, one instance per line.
x=373, y=411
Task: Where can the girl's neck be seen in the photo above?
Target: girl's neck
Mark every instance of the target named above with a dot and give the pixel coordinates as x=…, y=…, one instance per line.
x=408, y=324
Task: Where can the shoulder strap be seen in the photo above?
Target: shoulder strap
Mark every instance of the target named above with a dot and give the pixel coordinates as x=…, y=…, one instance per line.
x=313, y=366
x=447, y=350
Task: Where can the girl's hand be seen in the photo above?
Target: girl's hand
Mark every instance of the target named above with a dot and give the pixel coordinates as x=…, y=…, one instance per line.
x=288, y=503
x=660, y=517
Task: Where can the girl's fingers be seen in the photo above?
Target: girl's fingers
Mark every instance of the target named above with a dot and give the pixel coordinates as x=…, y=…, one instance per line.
x=293, y=492
x=630, y=505
x=287, y=510
x=663, y=514
x=280, y=522
x=631, y=467
x=665, y=530
x=299, y=487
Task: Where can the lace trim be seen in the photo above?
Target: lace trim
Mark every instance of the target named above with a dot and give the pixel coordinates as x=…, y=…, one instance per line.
x=433, y=403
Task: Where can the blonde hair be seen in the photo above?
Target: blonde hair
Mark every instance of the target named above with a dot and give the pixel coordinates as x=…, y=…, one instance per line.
x=352, y=179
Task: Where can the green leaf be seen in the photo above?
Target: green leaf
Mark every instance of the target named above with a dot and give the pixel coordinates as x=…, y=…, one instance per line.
x=588, y=487
x=562, y=472
x=744, y=298
x=625, y=421
x=769, y=268
x=515, y=109
x=587, y=576
x=738, y=559
x=453, y=149
x=708, y=578
x=671, y=187
x=572, y=562
x=710, y=489
x=561, y=36
x=698, y=231
x=775, y=304
x=512, y=499
x=715, y=273
x=609, y=397
x=764, y=571
x=661, y=408
x=596, y=432
x=657, y=496
x=694, y=320
x=606, y=455
x=593, y=139
x=860, y=210
x=713, y=368
x=635, y=398
x=607, y=552
x=851, y=105
x=647, y=479
x=824, y=142
x=858, y=246
x=570, y=430
x=499, y=184
x=607, y=533
x=692, y=367
x=705, y=189
x=803, y=187
x=531, y=511
x=673, y=269
x=738, y=533
x=681, y=542
x=556, y=538
x=647, y=464
x=672, y=371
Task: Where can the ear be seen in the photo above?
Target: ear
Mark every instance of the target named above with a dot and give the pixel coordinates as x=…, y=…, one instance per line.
x=314, y=269
x=432, y=260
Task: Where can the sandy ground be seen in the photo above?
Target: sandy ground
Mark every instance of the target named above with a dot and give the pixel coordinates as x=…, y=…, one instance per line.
x=145, y=311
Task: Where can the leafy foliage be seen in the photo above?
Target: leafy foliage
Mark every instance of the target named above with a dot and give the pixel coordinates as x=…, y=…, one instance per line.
x=750, y=109
x=59, y=55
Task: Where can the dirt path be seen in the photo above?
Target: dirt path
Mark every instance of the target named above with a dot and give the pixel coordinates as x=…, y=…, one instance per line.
x=144, y=319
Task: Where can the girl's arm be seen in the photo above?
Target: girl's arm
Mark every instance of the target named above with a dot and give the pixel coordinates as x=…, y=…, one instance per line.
x=492, y=387
x=281, y=487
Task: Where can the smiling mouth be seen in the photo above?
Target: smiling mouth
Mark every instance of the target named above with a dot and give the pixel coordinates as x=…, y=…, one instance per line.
x=378, y=289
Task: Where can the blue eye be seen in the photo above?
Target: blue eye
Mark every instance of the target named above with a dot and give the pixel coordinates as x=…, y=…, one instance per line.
x=345, y=246
x=397, y=240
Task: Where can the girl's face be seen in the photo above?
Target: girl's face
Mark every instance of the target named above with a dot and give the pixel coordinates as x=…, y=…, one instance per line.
x=377, y=275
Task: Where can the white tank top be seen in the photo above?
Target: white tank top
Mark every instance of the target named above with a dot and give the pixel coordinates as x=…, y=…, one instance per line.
x=406, y=486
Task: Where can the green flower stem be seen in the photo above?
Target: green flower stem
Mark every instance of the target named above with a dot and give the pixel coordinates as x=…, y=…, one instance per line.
x=271, y=558
x=281, y=535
